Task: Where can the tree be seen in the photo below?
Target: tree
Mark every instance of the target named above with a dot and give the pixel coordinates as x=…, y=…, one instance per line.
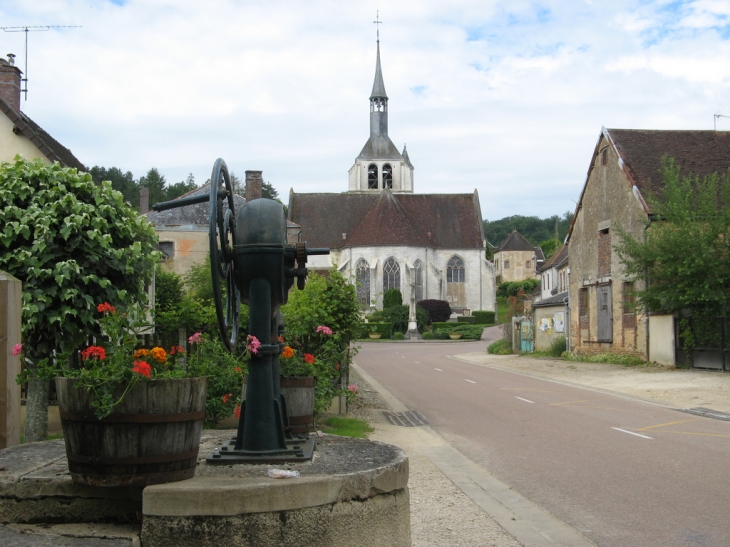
x=178, y=189
x=534, y=229
x=269, y=192
x=683, y=254
x=155, y=182
x=73, y=244
x=121, y=182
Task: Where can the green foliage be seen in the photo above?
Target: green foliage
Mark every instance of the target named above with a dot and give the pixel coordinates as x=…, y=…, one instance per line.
x=193, y=314
x=467, y=319
x=399, y=336
x=398, y=316
x=174, y=191
x=441, y=331
x=500, y=347
x=383, y=328
x=155, y=182
x=225, y=372
x=428, y=335
x=610, y=358
x=484, y=317
x=168, y=289
x=198, y=280
x=534, y=229
x=392, y=297
x=121, y=182
x=73, y=244
x=558, y=346
x=346, y=427
x=549, y=246
x=512, y=288
x=684, y=252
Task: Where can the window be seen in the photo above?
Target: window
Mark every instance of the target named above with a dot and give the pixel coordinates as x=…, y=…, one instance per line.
x=391, y=275
x=604, y=156
x=604, y=253
x=418, y=273
x=372, y=177
x=583, y=308
x=362, y=275
x=168, y=248
x=628, y=297
x=527, y=264
x=387, y=176
x=506, y=264
x=455, y=270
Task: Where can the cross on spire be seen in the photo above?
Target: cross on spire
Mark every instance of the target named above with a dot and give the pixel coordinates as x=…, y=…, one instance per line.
x=377, y=22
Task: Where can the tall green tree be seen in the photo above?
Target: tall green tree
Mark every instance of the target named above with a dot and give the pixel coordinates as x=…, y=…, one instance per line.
x=73, y=244
x=533, y=228
x=178, y=189
x=155, y=182
x=684, y=254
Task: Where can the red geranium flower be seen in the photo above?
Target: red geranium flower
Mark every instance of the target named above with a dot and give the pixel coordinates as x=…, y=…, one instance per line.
x=106, y=307
x=309, y=358
x=237, y=412
x=96, y=352
x=142, y=368
x=227, y=397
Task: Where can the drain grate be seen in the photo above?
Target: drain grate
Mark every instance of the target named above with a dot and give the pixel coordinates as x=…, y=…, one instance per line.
x=412, y=418
x=707, y=413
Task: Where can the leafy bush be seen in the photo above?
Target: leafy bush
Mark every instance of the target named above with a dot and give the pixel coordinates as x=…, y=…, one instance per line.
x=428, y=335
x=467, y=319
x=500, y=347
x=512, y=288
x=484, y=317
x=468, y=332
x=558, y=346
x=391, y=298
x=399, y=315
x=383, y=328
x=168, y=289
x=399, y=336
x=438, y=310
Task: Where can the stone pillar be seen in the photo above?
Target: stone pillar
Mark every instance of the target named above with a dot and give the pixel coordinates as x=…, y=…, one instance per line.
x=10, y=321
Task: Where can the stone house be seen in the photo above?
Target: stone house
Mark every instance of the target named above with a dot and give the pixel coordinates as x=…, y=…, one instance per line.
x=624, y=169
x=554, y=274
x=550, y=306
x=19, y=135
x=384, y=236
x=516, y=259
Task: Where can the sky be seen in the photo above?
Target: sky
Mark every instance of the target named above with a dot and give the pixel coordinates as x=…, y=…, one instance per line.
x=505, y=97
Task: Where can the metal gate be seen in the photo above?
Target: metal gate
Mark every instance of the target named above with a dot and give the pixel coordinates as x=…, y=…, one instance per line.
x=527, y=336
x=702, y=342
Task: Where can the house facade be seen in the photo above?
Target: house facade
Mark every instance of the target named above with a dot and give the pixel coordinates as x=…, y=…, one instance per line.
x=624, y=169
x=516, y=259
x=384, y=236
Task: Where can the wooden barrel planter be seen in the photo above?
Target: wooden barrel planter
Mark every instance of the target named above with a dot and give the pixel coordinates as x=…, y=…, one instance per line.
x=299, y=394
x=151, y=437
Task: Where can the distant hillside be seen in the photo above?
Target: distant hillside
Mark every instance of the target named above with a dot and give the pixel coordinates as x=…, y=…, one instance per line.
x=535, y=229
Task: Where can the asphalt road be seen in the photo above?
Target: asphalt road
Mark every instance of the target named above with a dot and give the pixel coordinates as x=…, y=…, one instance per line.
x=621, y=471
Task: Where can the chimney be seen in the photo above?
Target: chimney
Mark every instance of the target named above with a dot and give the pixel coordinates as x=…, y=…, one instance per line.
x=10, y=82
x=254, y=185
x=144, y=201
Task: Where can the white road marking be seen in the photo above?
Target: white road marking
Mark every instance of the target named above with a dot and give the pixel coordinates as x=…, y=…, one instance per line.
x=439, y=370
x=419, y=362
x=632, y=433
x=526, y=400
x=470, y=381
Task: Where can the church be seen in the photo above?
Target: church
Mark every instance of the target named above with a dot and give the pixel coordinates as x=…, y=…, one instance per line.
x=382, y=235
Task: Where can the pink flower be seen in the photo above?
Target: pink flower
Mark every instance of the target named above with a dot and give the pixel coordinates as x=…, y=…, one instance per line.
x=324, y=330
x=352, y=388
x=196, y=338
x=253, y=343
x=17, y=348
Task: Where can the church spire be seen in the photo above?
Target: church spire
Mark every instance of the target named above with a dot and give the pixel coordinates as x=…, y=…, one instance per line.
x=378, y=98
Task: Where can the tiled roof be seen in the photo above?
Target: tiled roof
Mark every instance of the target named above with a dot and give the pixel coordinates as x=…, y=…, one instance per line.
x=385, y=218
x=515, y=241
x=557, y=259
x=190, y=215
x=49, y=147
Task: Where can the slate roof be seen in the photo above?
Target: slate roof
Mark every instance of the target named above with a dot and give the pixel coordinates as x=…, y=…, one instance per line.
x=380, y=147
x=191, y=215
x=551, y=301
x=515, y=241
x=385, y=218
x=558, y=259
x=49, y=147
x=378, y=85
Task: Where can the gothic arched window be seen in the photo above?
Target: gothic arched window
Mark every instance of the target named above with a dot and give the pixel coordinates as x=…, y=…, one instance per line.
x=391, y=275
x=372, y=177
x=418, y=274
x=387, y=176
x=455, y=270
x=362, y=275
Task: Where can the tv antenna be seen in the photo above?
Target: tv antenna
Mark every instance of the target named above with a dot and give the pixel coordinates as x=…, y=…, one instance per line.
x=714, y=119
x=28, y=29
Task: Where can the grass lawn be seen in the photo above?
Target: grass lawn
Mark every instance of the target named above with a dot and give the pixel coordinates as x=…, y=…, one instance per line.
x=502, y=308
x=346, y=427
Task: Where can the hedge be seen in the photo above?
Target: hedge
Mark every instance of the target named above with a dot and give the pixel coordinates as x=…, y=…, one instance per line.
x=467, y=319
x=469, y=332
x=484, y=317
x=383, y=328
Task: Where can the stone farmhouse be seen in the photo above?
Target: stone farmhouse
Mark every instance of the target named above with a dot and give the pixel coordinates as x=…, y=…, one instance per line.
x=19, y=135
x=516, y=259
x=624, y=169
x=550, y=306
x=384, y=236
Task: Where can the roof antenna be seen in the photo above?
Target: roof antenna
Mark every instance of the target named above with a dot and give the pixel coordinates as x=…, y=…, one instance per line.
x=377, y=22
x=27, y=29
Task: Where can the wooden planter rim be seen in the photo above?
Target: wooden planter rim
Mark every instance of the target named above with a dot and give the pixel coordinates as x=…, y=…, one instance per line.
x=133, y=418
